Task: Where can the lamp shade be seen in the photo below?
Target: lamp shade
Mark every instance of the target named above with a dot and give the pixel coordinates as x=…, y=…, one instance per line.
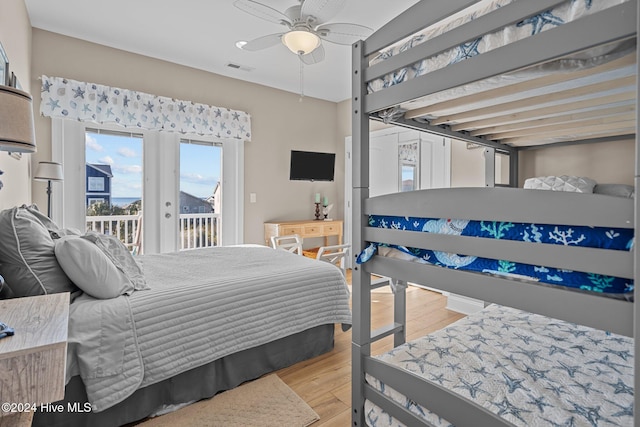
x=301, y=42
x=17, y=133
x=48, y=171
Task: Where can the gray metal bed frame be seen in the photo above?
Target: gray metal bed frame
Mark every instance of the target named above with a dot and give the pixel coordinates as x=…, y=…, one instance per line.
x=499, y=204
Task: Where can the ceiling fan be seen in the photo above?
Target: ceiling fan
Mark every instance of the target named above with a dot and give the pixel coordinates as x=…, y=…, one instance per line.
x=306, y=26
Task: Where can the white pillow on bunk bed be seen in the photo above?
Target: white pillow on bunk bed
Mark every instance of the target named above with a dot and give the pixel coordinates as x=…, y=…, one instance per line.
x=576, y=184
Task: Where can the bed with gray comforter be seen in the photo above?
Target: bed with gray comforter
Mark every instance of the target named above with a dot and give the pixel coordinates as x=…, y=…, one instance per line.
x=203, y=305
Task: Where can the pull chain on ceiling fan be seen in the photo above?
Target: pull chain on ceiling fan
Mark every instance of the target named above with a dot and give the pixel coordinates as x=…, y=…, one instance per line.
x=301, y=81
x=307, y=29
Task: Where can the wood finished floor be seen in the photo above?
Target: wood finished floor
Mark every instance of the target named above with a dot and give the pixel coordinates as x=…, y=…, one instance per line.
x=324, y=382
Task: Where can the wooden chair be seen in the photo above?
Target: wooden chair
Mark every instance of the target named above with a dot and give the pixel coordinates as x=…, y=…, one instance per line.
x=336, y=255
x=291, y=243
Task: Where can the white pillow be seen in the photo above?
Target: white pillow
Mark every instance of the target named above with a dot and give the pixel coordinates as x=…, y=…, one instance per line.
x=576, y=184
x=90, y=269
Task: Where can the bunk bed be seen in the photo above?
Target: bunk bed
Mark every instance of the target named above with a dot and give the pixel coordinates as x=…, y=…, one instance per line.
x=508, y=76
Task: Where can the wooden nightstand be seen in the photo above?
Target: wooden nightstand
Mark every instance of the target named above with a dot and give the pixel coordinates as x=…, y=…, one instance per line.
x=33, y=361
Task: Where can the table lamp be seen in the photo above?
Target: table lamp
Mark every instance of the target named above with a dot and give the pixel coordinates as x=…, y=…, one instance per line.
x=48, y=171
x=17, y=133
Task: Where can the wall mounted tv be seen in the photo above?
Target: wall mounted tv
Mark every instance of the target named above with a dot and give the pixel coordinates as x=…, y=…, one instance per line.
x=312, y=166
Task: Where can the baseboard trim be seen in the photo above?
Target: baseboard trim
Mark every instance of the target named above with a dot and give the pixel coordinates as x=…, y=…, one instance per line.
x=464, y=305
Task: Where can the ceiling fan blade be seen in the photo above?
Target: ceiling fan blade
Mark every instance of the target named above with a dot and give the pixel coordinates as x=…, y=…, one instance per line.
x=321, y=10
x=262, y=11
x=346, y=34
x=263, y=42
x=314, y=57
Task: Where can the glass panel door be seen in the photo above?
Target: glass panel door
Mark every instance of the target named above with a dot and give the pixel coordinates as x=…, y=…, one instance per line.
x=200, y=194
x=113, y=188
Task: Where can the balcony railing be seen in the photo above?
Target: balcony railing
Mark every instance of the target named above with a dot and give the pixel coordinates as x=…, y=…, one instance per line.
x=202, y=230
x=124, y=227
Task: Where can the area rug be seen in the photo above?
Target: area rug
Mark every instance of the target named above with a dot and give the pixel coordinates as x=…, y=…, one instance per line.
x=264, y=402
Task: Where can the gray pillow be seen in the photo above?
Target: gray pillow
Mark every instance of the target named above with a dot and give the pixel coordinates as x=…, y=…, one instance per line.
x=27, y=258
x=5, y=290
x=120, y=256
x=618, y=190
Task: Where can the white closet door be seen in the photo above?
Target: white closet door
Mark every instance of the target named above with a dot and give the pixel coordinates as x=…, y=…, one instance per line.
x=383, y=173
x=435, y=161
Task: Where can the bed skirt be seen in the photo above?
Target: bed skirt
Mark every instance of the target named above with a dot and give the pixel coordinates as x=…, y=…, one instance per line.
x=196, y=384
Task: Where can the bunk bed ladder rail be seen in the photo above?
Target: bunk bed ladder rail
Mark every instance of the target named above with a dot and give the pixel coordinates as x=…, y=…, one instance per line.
x=398, y=327
x=362, y=285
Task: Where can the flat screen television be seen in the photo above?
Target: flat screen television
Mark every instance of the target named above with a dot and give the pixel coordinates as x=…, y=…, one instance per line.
x=312, y=166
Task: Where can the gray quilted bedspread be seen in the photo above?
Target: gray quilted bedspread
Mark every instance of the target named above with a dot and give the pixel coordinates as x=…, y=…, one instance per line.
x=203, y=304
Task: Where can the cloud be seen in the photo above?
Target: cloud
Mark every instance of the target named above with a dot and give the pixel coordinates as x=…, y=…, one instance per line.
x=126, y=187
x=196, y=178
x=92, y=144
x=127, y=169
x=107, y=160
x=127, y=152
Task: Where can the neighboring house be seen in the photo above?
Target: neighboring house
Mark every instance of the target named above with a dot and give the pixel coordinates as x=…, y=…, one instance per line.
x=192, y=204
x=98, y=183
x=215, y=199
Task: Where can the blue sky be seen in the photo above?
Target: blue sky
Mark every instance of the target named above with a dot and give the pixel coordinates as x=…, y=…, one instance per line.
x=199, y=164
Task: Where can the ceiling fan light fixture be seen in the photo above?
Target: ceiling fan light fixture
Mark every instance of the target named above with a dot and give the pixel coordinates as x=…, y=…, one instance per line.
x=301, y=42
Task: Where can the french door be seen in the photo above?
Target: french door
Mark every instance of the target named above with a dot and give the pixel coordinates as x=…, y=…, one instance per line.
x=160, y=193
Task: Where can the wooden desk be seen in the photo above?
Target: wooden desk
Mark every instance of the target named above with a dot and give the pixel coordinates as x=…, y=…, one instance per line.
x=304, y=229
x=33, y=361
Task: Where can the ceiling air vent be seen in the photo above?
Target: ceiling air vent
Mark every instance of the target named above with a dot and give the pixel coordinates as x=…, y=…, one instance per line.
x=239, y=67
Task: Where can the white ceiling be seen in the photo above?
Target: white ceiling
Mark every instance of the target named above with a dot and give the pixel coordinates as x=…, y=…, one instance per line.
x=202, y=34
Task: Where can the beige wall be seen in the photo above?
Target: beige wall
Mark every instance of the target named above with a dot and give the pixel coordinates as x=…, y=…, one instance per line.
x=467, y=166
x=610, y=162
x=15, y=36
x=279, y=121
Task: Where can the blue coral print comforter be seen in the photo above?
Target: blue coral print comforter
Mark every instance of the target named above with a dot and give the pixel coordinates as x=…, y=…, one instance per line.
x=595, y=237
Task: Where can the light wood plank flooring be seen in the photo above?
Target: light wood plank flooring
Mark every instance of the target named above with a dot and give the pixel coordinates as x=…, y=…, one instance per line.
x=324, y=382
